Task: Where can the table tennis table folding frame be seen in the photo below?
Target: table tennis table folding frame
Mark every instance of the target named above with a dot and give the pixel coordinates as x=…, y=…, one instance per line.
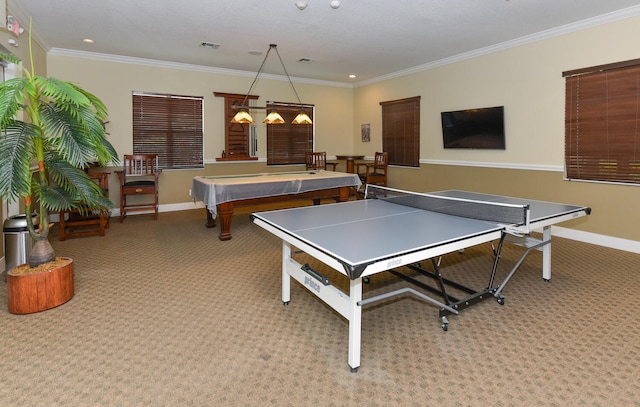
x=350, y=304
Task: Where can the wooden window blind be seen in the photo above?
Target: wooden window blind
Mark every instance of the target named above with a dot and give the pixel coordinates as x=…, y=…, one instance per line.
x=287, y=143
x=401, y=131
x=602, y=123
x=170, y=126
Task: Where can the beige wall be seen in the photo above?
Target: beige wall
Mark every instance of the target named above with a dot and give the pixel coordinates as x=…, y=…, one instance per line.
x=526, y=79
x=114, y=82
x=22, y=51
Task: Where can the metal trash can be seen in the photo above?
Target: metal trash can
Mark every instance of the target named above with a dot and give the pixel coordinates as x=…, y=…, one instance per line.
x=17, y=242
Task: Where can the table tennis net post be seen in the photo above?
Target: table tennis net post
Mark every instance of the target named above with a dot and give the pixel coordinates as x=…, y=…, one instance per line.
x=514, y=217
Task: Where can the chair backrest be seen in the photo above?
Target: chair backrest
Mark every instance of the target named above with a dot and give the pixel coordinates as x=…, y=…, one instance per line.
x=381, y=159
x=140, y=165
x=316, y=160
x=100, y=178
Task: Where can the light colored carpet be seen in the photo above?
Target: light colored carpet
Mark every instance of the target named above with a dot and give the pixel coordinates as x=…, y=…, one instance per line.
x=165, y=314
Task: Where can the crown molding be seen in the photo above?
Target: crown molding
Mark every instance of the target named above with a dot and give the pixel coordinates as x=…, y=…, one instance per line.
x=185, y=67
x=542, y=35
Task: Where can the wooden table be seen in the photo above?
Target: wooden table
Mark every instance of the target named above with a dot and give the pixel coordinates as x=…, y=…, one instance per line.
x=221, y=194
x=350, y=161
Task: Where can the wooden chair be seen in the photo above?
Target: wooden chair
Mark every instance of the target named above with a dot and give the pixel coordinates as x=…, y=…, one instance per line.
x=374, y=172
x=317, y=160
x=139, y=176
x=91, y=223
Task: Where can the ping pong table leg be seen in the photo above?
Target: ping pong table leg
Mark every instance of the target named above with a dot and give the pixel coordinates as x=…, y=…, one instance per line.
x=286, y=279
x=546, y=253
x=355, y=323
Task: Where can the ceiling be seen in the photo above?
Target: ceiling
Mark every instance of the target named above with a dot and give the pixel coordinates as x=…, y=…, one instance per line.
x=368, y=38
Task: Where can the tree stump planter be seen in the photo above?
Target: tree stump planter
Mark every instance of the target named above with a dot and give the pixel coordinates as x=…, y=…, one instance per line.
x=28, y=293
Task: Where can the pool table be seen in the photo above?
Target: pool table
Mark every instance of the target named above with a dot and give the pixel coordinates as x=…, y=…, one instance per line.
x=221, y=194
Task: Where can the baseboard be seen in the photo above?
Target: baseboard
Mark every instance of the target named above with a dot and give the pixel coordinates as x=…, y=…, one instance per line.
x=628, y=245
x=185, y=206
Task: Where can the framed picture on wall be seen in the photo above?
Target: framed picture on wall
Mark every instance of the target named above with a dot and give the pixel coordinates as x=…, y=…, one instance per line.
x=365, y=131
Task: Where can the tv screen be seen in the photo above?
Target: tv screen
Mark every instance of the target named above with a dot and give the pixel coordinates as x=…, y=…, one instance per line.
x=474, y=128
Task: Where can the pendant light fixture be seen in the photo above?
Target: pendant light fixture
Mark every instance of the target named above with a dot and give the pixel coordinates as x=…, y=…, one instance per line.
x=273, y=117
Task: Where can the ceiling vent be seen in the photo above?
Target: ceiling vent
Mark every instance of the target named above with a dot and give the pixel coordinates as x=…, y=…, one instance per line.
x=210, y=45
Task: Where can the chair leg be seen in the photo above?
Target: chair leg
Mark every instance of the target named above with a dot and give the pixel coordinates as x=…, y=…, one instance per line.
x=155, y=206
x=61, y=225
x=122, y=204
x=103, y=224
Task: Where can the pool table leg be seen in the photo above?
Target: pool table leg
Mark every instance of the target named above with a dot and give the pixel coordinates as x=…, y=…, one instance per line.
x=211, y=221
x=225, y=211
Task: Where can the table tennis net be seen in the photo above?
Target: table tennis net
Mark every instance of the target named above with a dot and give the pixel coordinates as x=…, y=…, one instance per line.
x=501, y=213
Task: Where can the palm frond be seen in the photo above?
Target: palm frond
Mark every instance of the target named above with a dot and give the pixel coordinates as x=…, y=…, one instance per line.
x=79, y=187
x=54, y=199
x=67, y=134
x=16, y=156
x=60, y=90
x=111, y=153
x=12, y=94
x=100, y=108
x=11, y=58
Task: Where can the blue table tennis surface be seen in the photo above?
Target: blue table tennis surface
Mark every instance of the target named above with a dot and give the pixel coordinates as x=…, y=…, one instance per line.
x=359, y=232
x=361, y=238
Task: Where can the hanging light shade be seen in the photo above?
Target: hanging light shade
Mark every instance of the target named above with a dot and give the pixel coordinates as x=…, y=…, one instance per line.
x=302, y=118
x=273, y=117
x=242, y=117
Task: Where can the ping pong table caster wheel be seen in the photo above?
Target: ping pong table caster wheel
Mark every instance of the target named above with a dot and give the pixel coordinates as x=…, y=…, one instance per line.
x=285, y=303
x=354, y=369
x=445, y=324
x=501, y=300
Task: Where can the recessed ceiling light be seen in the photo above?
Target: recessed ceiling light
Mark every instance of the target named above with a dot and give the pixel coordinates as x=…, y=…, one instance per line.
x=88, y=40
x=352, y=76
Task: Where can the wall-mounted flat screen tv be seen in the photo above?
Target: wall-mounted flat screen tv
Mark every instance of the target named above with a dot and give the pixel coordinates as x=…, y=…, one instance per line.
x=474, y=128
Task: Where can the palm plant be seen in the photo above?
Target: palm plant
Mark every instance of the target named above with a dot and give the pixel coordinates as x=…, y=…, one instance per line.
x=57, y=126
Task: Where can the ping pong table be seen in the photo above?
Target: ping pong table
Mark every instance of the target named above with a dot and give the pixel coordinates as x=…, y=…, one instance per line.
x=420, y=227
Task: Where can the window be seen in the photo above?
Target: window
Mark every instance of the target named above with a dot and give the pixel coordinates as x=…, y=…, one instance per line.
x=401, y=131
x=287, y=143
x=239, y=139
x=602, y=120
x=170, y=126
